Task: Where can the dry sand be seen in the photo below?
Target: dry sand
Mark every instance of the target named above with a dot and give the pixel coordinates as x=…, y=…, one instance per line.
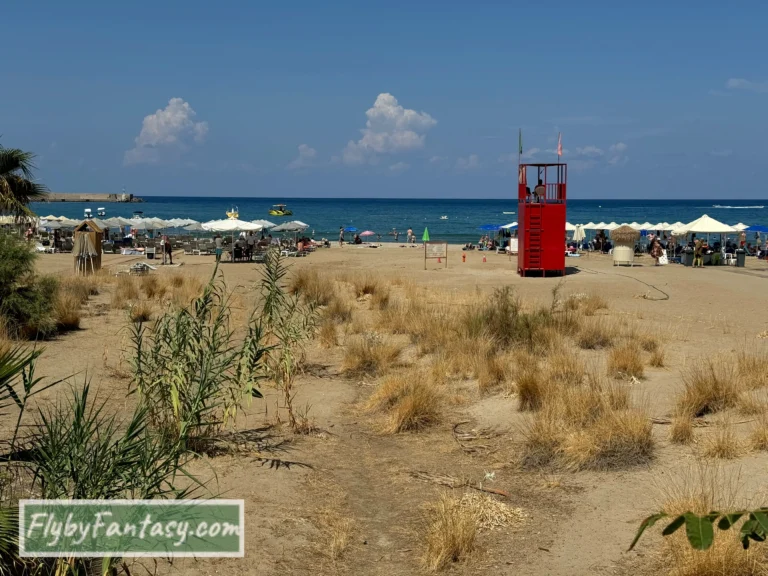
x=360, y=486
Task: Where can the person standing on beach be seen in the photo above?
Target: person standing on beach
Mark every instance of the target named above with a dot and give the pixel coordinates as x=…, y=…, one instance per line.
x=341, y=236
x=219, y=248
x=410, y=235
x=167, y=251
x=698, y=260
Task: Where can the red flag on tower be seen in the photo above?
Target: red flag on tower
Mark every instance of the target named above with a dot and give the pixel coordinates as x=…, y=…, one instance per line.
x=559, y=143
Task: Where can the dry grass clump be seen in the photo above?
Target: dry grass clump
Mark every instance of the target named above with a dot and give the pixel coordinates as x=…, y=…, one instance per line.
x=316, y=289
x=339, y=311
x=490, y=512
x=492, y=369
x=151, y=286
x=657, y=359
x=66, y=310
x=722, y=442
x=586, y=303
x=381, y=298
x=411, y=401
x=596, y=333
x=681, y=431
x=365, y=284
x=753, y=369
x=529, y=382
x=758, y=438
x=141, y=311
x=701, y=492
x=709, y=386
x=752, y=403
x=370, y=354
x=565, y=368
x=326, y=334
x=625, y=362
x=183, y=289
x=649, y=343
x=450, y=530
x=126, y=290
x=80, y=287
x=587, y=426
x=336, y=533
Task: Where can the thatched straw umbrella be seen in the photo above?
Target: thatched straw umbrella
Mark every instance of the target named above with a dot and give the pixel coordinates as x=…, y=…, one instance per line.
x=624, y=238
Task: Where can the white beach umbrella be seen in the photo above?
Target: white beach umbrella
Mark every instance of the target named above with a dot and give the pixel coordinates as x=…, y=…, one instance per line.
x=293, y=226
x=741, y=226
x=634, y=226
x=231, y=225
x=50, y=218
x=647, y=226
x=264, y=223
x=611, y=226
x=600, y=226
x=194, y=227
x=569, y=227
x=510, y=225
x=704, y=225
x=589, y=226
x=659, y=226
x=578, y=234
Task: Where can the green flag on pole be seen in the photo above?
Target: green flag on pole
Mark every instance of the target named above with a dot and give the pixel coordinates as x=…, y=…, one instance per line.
x=425, y=236
x=520, y=141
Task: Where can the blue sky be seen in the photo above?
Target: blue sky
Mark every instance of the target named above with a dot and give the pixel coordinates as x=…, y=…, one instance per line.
x=395, y=99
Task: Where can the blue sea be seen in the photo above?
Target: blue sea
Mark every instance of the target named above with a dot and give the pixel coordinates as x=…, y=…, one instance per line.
x=325, y=215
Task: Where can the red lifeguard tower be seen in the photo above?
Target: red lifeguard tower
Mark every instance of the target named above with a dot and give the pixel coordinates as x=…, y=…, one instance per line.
x=541, y=211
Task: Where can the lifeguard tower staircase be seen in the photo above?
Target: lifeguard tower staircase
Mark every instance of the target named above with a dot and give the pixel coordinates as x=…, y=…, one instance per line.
x=541, y=212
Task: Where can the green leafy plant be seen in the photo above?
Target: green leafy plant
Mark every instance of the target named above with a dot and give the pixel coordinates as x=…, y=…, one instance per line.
x=17, y=185
x=287, y=324
x=190, y=371
x=26, y=300
x=700, y=531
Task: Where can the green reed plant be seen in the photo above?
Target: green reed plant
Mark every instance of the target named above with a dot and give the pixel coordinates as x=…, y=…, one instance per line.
x=191, y=372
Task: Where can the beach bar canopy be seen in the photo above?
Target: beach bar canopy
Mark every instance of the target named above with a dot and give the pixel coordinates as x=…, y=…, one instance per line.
x=704, y=225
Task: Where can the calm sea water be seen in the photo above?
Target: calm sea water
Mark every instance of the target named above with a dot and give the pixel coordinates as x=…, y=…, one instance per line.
x=325, y=215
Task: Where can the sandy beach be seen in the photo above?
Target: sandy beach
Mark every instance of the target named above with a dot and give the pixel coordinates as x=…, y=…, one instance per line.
x=355, y=503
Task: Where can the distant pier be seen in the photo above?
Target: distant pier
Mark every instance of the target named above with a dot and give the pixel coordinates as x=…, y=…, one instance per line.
x=89, y=197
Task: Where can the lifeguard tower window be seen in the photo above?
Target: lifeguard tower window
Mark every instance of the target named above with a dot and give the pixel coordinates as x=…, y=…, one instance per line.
x=553, y=178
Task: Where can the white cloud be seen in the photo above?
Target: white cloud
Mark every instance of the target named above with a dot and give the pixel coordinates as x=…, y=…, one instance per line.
x=437, y=159
x=390, y=129
x=721, y=153
x=165, y=133
x=743, y=84
x=398, y=167
x=616, y=154
x=469, y=163
x=528, y=154
x=305, y=158
x=591, y=151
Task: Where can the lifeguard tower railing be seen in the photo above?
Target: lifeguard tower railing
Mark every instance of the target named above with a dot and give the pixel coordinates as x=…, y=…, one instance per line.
x=552, y=176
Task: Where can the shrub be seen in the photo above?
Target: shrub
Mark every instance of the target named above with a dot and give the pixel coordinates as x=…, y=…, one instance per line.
x=450, y=530
x=753, y=369
x=565, y=368
x=26, y=300
x=592, y=303
x=381, y=298
x=530, y=383
x=491, y=369
x=625, y=362
x=758, y=438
